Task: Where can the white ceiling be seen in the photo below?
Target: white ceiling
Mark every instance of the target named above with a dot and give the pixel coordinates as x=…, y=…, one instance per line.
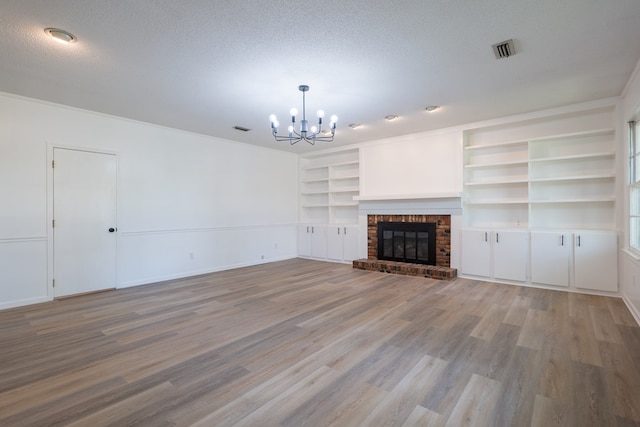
x=206, y=66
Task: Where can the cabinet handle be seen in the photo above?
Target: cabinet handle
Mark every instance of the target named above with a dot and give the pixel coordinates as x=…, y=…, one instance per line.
x=307, y=228
x=562, y=240
x=497, y=237
x=312, y=230
x=578, y=241
x=338, y=231
x=485, y=237
x=345, y=230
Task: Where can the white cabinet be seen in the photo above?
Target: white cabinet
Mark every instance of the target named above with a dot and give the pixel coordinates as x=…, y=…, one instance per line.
x=595, y=260
x=551, y=257
x=476, y=253
x=319, y=241
x=342, y=242
x=578, y=259
x=552, y=177
x=498, y=254
x=510, y=253
x=312, y=240
x=304, y=240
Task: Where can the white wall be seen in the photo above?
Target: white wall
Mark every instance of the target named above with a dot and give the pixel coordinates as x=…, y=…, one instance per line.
x=630, y=263
x=187, y=203
x=421, y=163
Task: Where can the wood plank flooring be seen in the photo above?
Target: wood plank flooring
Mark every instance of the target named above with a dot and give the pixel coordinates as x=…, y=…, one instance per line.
x=301, y=342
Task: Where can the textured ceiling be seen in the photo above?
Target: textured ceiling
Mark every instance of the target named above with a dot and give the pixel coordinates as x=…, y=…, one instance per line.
x=206, y=66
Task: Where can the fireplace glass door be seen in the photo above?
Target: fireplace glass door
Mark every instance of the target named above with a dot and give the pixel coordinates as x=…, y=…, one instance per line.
x=407, y=242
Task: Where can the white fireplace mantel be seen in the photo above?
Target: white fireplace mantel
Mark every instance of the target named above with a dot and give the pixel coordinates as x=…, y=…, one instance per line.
x=426, y=196
x=431, y=203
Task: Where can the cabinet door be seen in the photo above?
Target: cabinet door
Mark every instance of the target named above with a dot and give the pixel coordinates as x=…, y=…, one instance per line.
x=342, y=242
x=476, y=252
x=319, y=241
x=335, y=242
x=350, y=236
x=596, y=261
x=304, y=240
x=550, y=258
x=510, y=250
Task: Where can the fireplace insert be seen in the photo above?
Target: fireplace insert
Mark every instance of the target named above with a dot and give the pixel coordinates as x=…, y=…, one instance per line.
x=413, y=242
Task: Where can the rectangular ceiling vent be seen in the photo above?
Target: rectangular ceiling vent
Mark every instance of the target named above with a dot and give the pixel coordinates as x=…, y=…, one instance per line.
x=504, y=49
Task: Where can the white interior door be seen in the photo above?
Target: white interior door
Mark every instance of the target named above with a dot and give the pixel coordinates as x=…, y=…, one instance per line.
x=84, y=212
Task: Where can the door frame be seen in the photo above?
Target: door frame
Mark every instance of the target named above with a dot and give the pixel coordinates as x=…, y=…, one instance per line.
x=50, y=149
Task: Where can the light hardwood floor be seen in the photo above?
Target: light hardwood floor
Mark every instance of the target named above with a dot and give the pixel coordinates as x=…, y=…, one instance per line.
x=301, y=342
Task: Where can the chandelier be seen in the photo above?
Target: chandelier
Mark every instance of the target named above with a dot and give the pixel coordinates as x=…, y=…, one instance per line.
x=304, y=132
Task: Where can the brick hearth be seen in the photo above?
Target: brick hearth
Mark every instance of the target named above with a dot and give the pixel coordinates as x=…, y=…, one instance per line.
x=442, y=269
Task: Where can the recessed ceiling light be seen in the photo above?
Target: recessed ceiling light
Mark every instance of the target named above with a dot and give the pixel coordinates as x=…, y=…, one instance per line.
x=432, y=108
x=61, y=36
x=355, y=125
x=391, y=117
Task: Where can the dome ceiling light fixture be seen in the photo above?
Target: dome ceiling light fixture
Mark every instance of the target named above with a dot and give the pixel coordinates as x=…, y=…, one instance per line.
x=432, y=108
x=391, y=117
x=61, y=36
x=304, y=132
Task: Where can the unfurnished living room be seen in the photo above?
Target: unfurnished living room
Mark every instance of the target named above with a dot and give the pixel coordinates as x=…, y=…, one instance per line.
x=296, y=213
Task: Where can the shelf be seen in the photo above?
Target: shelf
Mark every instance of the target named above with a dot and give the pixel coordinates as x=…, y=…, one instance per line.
x=309, y=181
x=351, y=162
x=343, y=204
x=325, y=205
x=600, y=155
x=338, y=178
x=587, y=133
x=311, y=193
x=497, y=145
x=498, y=202
x=346, y=190
x=309, y=168
x=496, y=164
x=575, y=177
x=492, y=183
x=610, y=199
x=595, y=132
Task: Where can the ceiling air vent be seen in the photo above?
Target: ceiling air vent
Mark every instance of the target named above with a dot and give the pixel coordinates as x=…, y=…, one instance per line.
x=504, y=49
x=241, y=128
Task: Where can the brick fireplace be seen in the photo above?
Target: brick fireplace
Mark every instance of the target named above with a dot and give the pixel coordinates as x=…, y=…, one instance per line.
x=442, y=268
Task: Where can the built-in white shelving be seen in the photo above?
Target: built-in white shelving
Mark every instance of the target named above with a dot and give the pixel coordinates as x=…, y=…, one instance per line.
x=554, y=181
x=329, y=183
x=329, y=187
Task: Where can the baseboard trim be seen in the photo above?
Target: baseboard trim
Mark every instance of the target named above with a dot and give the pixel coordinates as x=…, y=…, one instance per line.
x=632, y=309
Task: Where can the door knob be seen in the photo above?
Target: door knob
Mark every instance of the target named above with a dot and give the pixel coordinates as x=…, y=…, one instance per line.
x=111, y=230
